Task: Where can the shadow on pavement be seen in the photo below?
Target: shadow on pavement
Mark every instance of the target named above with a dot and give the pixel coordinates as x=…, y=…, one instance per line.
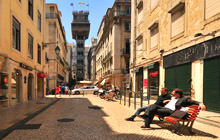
x=196, y=132
x=90, y=123
x=21, y=124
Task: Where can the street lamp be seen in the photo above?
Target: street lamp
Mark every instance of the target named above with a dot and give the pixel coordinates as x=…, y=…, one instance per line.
x=57, y=51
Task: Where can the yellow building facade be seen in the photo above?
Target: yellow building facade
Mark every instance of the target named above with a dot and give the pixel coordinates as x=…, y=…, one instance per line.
x=113, y=47
x=175, y=44
x=55, y=39
x=21, y=55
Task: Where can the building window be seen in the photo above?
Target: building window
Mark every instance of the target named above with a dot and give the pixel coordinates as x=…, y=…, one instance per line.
x=30, y=46
x=140, y=6
x=16, y=35
x=46, y=58
x=127, y=45
x=127, y=27
x=211, y=8
x=38, y=54
x=139, y=45
x=39, y=21
x=128, y=11
x=30, y=8
x=51, y=9
x=177, y=22
x=154, y=36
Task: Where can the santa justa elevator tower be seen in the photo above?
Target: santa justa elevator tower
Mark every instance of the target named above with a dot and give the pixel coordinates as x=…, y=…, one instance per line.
x=80, y=32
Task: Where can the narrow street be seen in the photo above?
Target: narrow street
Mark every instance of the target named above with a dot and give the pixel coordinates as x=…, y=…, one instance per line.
x=90, y=118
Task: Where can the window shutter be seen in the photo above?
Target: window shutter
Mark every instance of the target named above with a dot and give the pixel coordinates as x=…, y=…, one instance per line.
x=154, y=37
x=177, y=20
x=211, y=8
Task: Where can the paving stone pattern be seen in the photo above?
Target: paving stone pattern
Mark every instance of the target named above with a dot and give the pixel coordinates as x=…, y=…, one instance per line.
x=106, y=123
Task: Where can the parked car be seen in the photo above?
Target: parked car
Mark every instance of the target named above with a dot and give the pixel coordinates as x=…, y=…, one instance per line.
x=85, y=89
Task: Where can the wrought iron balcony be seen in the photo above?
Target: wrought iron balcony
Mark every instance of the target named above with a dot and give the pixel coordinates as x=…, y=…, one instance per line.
x=125, y=51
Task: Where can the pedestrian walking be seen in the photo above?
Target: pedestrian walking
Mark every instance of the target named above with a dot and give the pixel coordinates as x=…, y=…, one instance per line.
x=57, y=90
x=63, y=89
x=66, y=89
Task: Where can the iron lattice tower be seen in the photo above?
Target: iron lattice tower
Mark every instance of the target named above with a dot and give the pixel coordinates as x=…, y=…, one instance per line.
x=80, y=32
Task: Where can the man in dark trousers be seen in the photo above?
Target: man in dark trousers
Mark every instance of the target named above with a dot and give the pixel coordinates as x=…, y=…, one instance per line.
x=177, y=102
x=161, y=101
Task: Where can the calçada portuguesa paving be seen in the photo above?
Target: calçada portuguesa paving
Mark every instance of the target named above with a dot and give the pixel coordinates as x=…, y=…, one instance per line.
x=72, y=118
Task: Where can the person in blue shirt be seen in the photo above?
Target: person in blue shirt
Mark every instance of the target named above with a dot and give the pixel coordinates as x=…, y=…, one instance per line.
x=161, y=101
x=63, y=89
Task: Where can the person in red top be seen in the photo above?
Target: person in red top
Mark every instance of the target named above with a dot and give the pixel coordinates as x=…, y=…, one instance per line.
x=57, y=90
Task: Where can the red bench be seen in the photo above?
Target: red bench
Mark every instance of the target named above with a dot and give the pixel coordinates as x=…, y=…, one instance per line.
x=193, y=112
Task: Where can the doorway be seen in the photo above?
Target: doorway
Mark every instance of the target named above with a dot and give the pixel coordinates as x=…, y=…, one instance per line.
x=30, y=86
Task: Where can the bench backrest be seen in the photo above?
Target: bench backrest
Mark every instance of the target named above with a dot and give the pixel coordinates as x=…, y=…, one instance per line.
x=193, y=112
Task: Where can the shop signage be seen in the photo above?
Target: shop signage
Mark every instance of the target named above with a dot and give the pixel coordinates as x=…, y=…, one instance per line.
x=208, y=49
x=145, y=83
x=41, y=75
x=153, y=74
x=26, y=67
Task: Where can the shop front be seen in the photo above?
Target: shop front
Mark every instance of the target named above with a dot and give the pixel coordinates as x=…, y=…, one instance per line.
x=16, y=87
x=182, y=70
x=212, y=83
x=179, y=77
x=139, y=80
x=3, y=89
x=40, y=84
x=153, y=81
x=30, y=87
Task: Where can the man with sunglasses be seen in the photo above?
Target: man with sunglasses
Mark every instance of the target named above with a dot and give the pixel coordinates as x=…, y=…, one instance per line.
x=177, y=102
x=161, y=101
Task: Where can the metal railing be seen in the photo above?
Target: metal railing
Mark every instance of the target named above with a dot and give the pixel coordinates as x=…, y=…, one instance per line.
x=130, y=97
x=125, y=51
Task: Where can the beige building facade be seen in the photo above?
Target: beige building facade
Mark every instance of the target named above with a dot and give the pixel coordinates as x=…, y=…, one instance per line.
x=22, y=71
x=175, y=44
x=55, y=40
x=113, y=48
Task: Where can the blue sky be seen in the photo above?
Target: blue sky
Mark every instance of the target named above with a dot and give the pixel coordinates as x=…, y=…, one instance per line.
x=97, y=9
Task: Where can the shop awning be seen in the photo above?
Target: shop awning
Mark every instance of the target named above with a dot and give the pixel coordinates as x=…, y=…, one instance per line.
x=103, y=82
x=41, y=75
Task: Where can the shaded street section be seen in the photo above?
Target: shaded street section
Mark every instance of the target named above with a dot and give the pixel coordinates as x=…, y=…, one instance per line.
x=90, y=118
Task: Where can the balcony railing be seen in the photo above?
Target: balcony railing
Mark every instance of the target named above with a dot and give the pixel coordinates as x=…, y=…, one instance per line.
x=61, y=61
x=121, y=13
x=108, y=72
x=125, y=51
x=107, y=56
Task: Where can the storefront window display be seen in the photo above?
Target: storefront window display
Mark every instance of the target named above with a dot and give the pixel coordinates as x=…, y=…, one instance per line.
x=15, y=86
x=3, y=86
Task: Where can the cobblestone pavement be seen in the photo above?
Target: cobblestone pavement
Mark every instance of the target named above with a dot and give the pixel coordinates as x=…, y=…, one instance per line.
x=82, y=122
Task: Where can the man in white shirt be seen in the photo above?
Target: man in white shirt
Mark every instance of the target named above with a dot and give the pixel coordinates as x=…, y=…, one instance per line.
x=177, y=102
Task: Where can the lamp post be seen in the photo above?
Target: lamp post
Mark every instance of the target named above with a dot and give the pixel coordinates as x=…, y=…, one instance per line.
x=57, y=51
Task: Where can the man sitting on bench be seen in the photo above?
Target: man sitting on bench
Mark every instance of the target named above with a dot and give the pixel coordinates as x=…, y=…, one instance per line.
x=161, y=101
x=177, y=102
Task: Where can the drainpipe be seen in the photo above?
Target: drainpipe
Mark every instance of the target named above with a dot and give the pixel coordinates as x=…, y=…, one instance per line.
x=133, y=34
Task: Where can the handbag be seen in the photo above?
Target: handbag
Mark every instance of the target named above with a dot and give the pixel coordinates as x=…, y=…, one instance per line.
x=179, y=114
